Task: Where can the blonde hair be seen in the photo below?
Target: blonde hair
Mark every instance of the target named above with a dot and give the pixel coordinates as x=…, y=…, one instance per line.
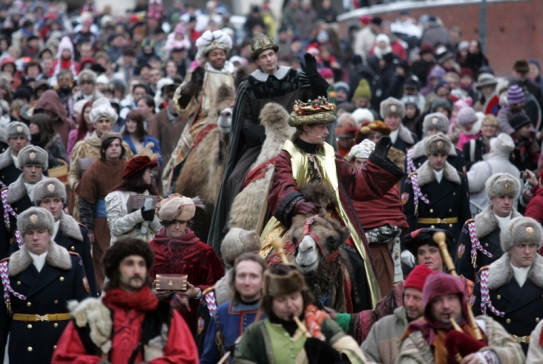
x=492, y=119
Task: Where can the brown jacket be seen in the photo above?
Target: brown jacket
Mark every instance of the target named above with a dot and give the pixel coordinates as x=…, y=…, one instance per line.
x=50, y=101
x=166, y=132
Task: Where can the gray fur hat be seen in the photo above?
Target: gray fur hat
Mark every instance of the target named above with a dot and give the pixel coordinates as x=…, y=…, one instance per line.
x=392, y=106
x=48, y=188
x=237, y=242
x=502, y=184
x=520, y=230
x=437, y=121
x=437, y=143
x=32, y=155
x=102, y=107
x=35, y=218
x=86, y=76
x=15, y=129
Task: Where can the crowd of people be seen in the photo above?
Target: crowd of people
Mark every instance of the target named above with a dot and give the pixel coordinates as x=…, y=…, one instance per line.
x=180, y=189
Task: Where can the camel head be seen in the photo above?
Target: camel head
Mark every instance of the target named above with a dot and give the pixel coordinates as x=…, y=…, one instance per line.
x=317, y=240
x=225, y=120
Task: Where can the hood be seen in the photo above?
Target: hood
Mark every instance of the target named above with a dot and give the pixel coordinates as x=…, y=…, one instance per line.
x=50, y=101
x=65, y=44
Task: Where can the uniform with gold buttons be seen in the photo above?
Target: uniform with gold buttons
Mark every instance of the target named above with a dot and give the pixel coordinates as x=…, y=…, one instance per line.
x=39, y=320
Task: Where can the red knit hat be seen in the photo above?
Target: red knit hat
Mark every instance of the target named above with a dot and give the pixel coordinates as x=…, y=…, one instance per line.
x=138, y=164
x=417, y=277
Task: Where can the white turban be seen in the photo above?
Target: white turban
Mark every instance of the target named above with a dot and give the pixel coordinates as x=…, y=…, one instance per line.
x=178, y=207
x=362, y=150
x=213, y=40
x=102, y=107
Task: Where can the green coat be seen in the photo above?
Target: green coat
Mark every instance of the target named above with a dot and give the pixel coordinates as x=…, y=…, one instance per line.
x=256, y=347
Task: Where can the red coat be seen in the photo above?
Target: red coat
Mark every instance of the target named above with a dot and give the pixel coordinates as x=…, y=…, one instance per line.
x=535, y=207
x=180, y=347
x=190, y=256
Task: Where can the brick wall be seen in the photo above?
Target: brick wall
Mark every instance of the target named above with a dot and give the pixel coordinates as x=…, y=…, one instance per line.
x=514, y=29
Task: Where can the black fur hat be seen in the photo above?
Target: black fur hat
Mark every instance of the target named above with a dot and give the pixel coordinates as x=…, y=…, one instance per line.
x=122, y=249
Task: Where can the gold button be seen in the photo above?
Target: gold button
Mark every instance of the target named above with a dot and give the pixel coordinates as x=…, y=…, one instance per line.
x=486, y=245
x=450, y=225
x=61, y=279
x=54, y=347
x=433, y=227
x=72, y=248
x=29, y=326
x=419, y=164
x=425, y=195
x=55, y=324
x=29, y=348
x=431, y=211
x=16, y=209
x=56, y=302
x=450, y=210
x=537, y=319
x=28, y=304
x=18, y=283
x=454, y=193
x=508, y=321
x=499, y=297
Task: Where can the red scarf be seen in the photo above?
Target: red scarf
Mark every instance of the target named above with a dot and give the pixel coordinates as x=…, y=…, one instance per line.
x=143, y=300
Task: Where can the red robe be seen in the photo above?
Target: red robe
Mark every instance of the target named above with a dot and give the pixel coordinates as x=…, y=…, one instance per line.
x=187, y=255
x=180, y=347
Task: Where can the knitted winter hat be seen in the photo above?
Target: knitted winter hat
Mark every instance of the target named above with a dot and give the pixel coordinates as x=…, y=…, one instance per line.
x=417, y=277
x=32, y=155
x=520, y=230
x=49, y=188
x=519, y=121
x=502, y=184
x=102, y=107
x=342, y=86
x=360, y=115
x=35, y=218
x=515, y=95
x=437, y=143
x=439, y=102
x=437, y=121
x=16, y=129
x=503, y=143
x=236, y=242
x=362, y=90
x=466, y=116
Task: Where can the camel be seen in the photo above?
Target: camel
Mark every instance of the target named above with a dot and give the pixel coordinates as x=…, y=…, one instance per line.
x=203, y=169
x=249, y=207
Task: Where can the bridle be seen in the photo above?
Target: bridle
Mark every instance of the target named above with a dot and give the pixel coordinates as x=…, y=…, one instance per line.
x=308, y=231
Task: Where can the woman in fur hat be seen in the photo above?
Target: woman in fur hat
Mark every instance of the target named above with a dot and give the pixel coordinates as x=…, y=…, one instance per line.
x=140, y=223
x=179, y=251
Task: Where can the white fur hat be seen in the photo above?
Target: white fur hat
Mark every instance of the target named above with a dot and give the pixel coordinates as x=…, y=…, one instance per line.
x=502, y=184
x=362, y=150
x=102, y=107
x=503, y=143
x=360, y=115
x=520, y=230
x=213, y=40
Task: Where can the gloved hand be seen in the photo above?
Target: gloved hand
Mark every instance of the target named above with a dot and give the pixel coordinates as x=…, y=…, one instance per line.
x=320, y=351
x=197, y=75
x=305, y=208
x=310, y=64
x=382, y=147
x=407, y=258
x=147, y=211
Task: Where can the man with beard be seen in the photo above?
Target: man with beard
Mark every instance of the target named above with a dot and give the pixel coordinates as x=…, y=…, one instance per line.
x=97, y=182
x=434, y=339
x=19, y=196
x=37, y=283
x=65, y=82
x=381, y=345
x=18, y=137
x=140, y=327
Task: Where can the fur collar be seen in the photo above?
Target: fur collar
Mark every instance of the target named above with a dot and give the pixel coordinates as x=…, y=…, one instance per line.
x=70, y=227
x=57, y=257
x=425, y=174
x=263, y=77
x=96, y=315
x=405, y=135
x=486, y=222
x=419, y=150
x=5, y=158
x=17, y=190
x=500, y=272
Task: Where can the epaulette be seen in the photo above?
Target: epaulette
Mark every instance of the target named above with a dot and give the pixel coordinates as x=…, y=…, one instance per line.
x=410, y=174
x=75, y=254
x=483, y=268
x=3, y=260
x=3, y=188
x=80, y=224
x=205, y=291
x=468, y=221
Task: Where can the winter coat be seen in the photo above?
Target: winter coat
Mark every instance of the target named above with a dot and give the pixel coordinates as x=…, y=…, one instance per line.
x=492, y=163
x=363, y=42
x=476, y=147
x=306, y=20
x=49, y=101
x=504, y=116
x=381, y=345
x=535, y=207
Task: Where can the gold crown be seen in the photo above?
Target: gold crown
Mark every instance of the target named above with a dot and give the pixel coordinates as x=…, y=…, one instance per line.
x=260, y=43
x=318, y=111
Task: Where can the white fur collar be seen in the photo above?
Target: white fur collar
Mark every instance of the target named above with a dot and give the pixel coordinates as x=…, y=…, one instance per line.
x=419, y=150
x=93, y=312
x=426, y=175
x=57, y=256
x=5, y=158
x=17, y=190
x=70, y=227
x=405, y=135
x=486, y=222
x=263, y=77
x=500, y=272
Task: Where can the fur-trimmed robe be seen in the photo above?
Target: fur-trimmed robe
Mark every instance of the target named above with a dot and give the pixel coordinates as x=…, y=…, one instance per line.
x=487, y=231
x=523, y=306
x=61, y=279
x=448, y=199
x=87, y=339
x=74, y=237
x=8, y=172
